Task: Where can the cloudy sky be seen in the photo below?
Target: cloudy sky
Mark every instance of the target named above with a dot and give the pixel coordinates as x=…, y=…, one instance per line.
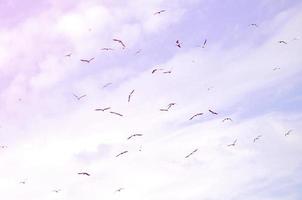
x=48, y=136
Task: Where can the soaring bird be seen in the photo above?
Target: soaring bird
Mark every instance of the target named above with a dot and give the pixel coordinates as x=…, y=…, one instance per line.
x=168, y=107
x=134, y=135
x=106, y=49
x=154, y=70
x=115, y=113
x=163, y=109
x=214, y=113
x=121, y=153
x=68, y=55
x=276, y=68
x=121, y=42
x=282, y=41
x=191, y=153
x=87, y=60
x=22, y=182
x=288, y=132
x=233, y=144
x=257, y=138
x=129, y=96
x=57, y=191
x=106, y=85
x=159, y=12
x=227, y=119
x=197, y=114
x=167, y=72
x=138, y=51
x=84, y=173
x=119, y=190
x=178, y=44
x=204, y=43
x=255, y=25
x=102, y=109
x=79, y=97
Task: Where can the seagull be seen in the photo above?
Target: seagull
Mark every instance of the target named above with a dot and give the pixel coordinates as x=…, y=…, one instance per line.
x=191, y=153
x=163, y=109
x=233, y=144
x=102, y=109
x=227, y=119
x=106, y=85
x=214, y=113
x=83, y=173
x=204, y=43
x=282, y=41
x=159, y=12
x=288, y=132
x=22, y=182
x=68, y=55
x=106, y=49
x=87, y=61
x=115, y=113
x=169, y=106
x=79, y=97
x=197, y=114
x=257, y=138
x=129, y=97
x=121, y=153
x=178, y=44
x=119, y=190
x=121, y=42
x=167, y=72
x=134, y=135
x=276, y=68
x=255, y=25
x=154, y=70
x=57, y=191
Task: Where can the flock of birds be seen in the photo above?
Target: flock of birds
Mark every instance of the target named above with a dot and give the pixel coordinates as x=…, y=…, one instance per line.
x=165, y=109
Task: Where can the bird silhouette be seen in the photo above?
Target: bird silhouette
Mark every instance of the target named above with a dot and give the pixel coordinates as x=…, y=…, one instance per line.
x=115, y=113
x=68, y=55
x=159, y=12
x=214, y=113
x=22, y=182
x=106, y=49
x=84, y=173
x=227, y=119
x=79, y=97
x=57, y=191
x=288, y=132
x=121, y=42
x=257, y=138
x=282, y=42
x=121, y=153
x=276, y=68
x=255, y=25
x=134, y=135
x=154, y=70
x=197, y=114
x=178, y=44
x=233, y=144
x=106, y=85
x=191, y=153
x=167, y=72
x=130, y=95
x=3, y=147
x=204, y=43
x=168, y=107
x=102, y=109
x=119, y=190
x=87, y=60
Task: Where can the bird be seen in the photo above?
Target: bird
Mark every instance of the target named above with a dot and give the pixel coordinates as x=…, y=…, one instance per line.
x=255, y=25
x=106, y=85
x=276, y=68
x=214, y=113
x=288, y=132
x=191, y=153
x=138, y=51
x=115, y=113
x=154, y=70
x=68, y=55
x=87, y=60
x=102, y=109
x=167, y=72
x=282, y=41
x=129, y=96
x=106, y=49
x=119, y=190
x=84, y=173
x=227, y=119
x=121, y=42
x=163, y=109
x=57, y=191
x=121, y=153
x=79, y=97
x=168, y=107
x=22, y=182
x=178, y=44
x=3, y=147
x=204, y=43
x=197, y=114
x=134, y=135
x=233, y=144
x=257, y=138
x=159, y=12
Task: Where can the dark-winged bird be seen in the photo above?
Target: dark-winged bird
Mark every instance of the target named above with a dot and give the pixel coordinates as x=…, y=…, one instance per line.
x=227, y=119
x=167, y=72
x=121, y=42
x=106, y=49
x=214, y=113
x=255, y=25
x=154, y=70
x=115, y=113
x=57, y=191
x=159, y=12
x=168, y=107
x=87, y=61
x=121, y=153
x=204, y=43
x=134, y=135
x=257, y=138
x=84, y=173
x=233, y=144
x=288, y=132
x=102, y=109
x=276, y=68
x=129, y=96
x=106, y=85
x=197, y=114
x=178, y=44
x=79, y=97
x=282, y=42
x=119, y=190
x=68, y=55
x=191, y=153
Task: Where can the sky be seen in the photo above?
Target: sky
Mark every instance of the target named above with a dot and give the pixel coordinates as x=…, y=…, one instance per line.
x=48, y=136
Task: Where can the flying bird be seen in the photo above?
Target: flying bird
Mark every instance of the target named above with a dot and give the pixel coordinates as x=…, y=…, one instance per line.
x=3, y=147
x=79, y=97
x=119, y=190
x=168, y=107
x=129, y=96
x=197, y=114
x=121, y=153
x=191, y=153
x=115, y=113
x=227, y=119
x=178, y=44
x=255, y=25
x=214, y=113
x=134, y=135
x=288, y=132
x=87, y=60
x=163, y=109
x=68, y=55
x=106, y=49
x=102, y=109
x=22, y=182
x=106, y=85
x=257, y=138
x=57, y=191
x=159, y=12
x=167, y=72
x=121, y=42
x=84, y=173
x=154, y=70
x=204, y=43
x=276, y=68
x=282, y=41
x=138, y=51
x=233, y=144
